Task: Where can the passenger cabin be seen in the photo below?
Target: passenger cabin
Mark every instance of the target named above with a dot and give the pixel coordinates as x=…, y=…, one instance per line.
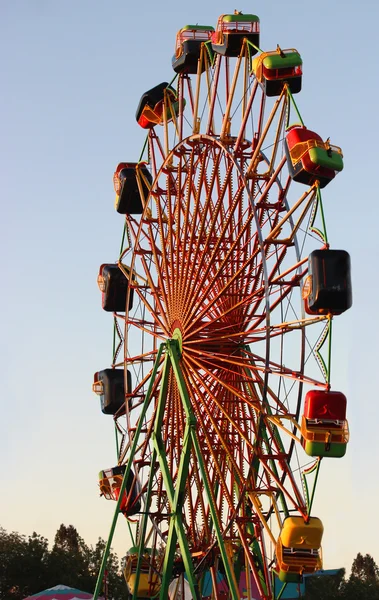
x=110, y=481
x=149, y=579
x=310, y=159
x=109, y=384
x=129, y=180
x=276, y=68
x=188, y=46
x=327, y=289
x=298, y=549
x=113, y=285
x=232, y=30
x=156, y=104
x=324, y=428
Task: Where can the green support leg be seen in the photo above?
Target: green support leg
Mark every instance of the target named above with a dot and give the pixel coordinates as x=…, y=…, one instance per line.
x=175, y=496
x=173, y=350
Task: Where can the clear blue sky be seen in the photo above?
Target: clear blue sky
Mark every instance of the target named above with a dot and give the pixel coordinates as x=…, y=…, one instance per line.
x=72, y=75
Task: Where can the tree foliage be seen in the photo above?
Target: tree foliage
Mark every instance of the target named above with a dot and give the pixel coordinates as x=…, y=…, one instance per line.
x=364, y=580
x=324, y=587
x=27, y=566
x=365, y=569
x=363, y=583
x=23, y=564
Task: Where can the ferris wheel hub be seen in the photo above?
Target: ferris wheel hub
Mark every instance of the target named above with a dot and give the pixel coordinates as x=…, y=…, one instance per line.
x=177, y=335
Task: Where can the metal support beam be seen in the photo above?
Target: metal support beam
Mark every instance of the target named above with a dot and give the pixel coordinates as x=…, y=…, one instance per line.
x=173, y=350
x=175, y=494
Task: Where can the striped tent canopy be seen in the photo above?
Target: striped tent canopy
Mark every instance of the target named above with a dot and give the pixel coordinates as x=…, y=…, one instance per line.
x=61, y=592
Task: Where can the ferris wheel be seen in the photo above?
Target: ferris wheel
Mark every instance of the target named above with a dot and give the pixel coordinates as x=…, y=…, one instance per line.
x=223, y=299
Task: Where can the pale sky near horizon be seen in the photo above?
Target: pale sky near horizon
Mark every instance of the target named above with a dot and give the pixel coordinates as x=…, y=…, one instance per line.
x=73, y=73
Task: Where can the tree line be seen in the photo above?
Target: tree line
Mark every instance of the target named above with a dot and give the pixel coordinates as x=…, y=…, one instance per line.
x=27, y=567
x=362, y=584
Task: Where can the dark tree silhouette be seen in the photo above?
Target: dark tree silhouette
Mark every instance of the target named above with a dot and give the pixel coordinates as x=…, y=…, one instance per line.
x=363, y=583
x=365, y=569
x=324, y=587
x=69, y=558
x=23, y=564
x=27, y=566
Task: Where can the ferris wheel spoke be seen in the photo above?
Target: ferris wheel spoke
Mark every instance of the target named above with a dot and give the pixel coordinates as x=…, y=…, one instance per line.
x=280, y=275
x=197, y=226
x=203, y=62
x=276, y=369
x=296, y=501
x=160, y=308
x=240, y=141
x=304, y=203
x=196, y=219
x=196, y=506
x=184, y=199
x=215, y=455
x=223, y=382
x=201, y=508
x=181, y=84
x=151, y=310
x=214, y=304
x=261, y=196
x=265, y=391
x=284, y=294
x=225, y=125
x=225, y=417
x=209, y=128
x=140, y=253
x=222, y=408
x=254, y=161
x=210, y=274
x=156, y=157
x=223, y=265
x=275, y=146
x=210, y=213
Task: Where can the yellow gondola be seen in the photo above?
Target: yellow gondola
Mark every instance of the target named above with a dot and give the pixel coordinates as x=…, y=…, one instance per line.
x=298, y=549
x=149, y=581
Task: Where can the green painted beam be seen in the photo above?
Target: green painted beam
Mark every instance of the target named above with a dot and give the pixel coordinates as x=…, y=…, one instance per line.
x=173, y=350
x=175, y=495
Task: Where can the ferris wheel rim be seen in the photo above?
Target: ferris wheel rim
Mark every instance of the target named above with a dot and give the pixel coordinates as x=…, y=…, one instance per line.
x=214, y=141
